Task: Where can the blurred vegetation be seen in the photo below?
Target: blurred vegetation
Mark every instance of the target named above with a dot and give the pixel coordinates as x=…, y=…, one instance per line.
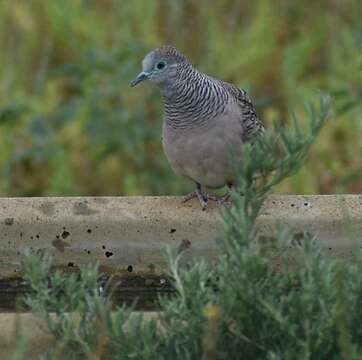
x=70, y=124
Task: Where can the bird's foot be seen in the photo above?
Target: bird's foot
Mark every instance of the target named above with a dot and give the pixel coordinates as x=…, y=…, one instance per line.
x=222, y=200
x=203, y=198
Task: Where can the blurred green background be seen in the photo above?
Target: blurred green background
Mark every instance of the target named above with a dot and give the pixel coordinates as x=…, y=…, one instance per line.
x=71, y=125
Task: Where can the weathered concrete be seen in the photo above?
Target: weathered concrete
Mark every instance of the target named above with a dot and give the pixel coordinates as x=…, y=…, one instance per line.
x=128, y=234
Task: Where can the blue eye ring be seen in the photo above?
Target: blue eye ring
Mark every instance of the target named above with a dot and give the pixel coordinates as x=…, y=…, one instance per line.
x=160, y=65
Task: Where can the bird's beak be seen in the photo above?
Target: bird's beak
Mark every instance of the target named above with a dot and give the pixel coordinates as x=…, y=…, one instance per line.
x=140, y=77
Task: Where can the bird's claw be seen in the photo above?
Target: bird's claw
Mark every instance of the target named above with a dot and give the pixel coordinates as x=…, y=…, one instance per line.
x=225, y=199
x=188, y=197
x=204, y=198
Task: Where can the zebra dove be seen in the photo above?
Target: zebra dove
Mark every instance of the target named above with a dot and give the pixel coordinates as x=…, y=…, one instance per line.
x=206, y=121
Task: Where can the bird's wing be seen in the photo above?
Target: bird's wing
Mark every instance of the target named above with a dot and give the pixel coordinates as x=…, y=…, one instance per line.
x=252, y=126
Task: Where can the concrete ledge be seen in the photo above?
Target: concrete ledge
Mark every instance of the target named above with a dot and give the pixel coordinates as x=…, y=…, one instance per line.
x=127, y=235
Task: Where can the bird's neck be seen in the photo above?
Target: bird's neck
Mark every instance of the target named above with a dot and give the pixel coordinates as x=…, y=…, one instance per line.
x=193, y=99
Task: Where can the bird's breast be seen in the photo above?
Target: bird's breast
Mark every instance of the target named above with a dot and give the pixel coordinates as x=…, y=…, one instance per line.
x=203, y=153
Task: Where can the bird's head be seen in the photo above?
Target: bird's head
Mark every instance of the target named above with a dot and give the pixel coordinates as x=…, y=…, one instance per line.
x=161, y=66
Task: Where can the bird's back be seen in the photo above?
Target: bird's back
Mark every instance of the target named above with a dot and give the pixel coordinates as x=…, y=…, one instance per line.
x=251, y=124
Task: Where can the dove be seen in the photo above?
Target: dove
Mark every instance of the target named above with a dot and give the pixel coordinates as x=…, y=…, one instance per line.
x=206, y=122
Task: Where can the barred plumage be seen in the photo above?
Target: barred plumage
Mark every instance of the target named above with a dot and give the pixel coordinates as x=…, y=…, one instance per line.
x=198, y=97
x=206, y=120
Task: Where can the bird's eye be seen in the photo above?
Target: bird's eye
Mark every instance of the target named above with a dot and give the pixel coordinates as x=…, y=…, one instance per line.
x=160, y=65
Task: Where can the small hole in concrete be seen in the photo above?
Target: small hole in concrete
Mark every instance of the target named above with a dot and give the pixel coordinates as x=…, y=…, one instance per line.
x=172, y=231
x=292, y=205
x=37, y=236
x=306, y=204
x=88, y=251
x=89, y=231
x=129, y=268
x=108, y=254
x=9, y=221
x=65, y=234
x=71, y=264
x=103, y=247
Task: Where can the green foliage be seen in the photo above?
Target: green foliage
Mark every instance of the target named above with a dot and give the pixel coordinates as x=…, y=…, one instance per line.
x=269, y=160
x=70, y=124
x=244, y=307
x=65, y=296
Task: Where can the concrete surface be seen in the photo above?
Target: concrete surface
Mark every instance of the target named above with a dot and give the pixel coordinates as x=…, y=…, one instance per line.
x=128, y=234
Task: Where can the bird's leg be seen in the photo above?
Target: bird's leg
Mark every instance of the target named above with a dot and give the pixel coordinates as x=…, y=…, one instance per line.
x=220, y=199
x=203, y=198
x=225, y=199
